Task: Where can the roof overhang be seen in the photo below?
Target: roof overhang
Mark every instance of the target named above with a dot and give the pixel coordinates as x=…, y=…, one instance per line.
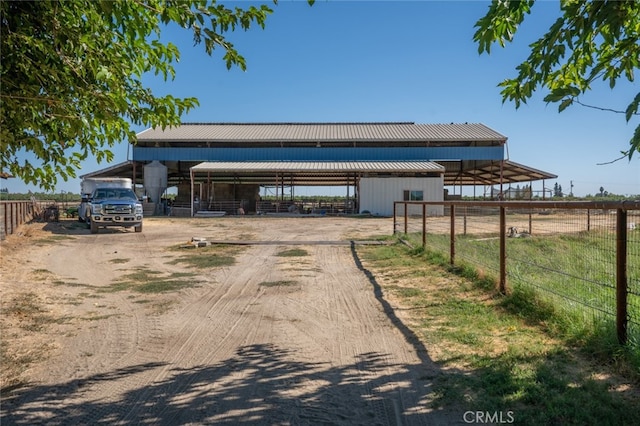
x=311, y=173
x=124, y=169
x=456, y=173
x=491, y=173
x=318, y=166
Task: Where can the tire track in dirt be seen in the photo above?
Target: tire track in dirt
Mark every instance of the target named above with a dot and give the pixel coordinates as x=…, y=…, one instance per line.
x=239, y=319
x=211, y=329
x=105, y=345
x=317, y=348
x=369, y=344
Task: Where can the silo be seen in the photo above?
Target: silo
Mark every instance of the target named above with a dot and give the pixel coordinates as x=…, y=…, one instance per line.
x=155, y=182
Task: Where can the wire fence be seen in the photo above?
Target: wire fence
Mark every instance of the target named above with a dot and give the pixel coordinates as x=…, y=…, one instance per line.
x=581, y=256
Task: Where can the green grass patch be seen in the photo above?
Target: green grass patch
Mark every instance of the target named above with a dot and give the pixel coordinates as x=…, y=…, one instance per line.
x=71, y=284
x=409, y=292
x=518, y=353
x=28, y=311
x=205, y=261
x=23, y=305
x=52, y=239
x=163, y=286
x=293, y=253
x=97, y=317
x=281, y=283
x=214, y=256
x=538, y=388
x=146, y=281
x=565, y=282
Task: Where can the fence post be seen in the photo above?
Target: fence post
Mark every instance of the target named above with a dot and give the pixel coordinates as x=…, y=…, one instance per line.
x=464, y=232
x=395, y=216
x=503, y=251
x=621, y=276
x=14, y=217
x=406, y=217
x=424, y=225
x=6, y=220
x=452, y=249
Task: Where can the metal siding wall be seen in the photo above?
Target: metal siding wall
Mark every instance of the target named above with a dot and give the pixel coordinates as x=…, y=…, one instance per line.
x=378, y=194
x=318, y=154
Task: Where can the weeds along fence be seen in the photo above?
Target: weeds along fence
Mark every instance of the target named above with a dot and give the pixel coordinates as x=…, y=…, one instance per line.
x=584, y=257
x=15, y=213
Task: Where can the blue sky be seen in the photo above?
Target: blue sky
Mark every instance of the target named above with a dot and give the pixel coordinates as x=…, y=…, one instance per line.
x=400, y=61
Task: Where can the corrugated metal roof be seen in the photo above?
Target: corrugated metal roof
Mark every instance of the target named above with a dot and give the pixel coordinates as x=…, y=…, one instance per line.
x=256, y=132
x=318, y=166
x=493, y=172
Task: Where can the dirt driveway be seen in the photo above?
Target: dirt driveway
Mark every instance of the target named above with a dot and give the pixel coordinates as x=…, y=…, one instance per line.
x=270, y=339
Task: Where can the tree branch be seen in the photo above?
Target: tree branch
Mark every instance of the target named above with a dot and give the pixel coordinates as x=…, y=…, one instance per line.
x=624, y=155
x=30, y=98
x=600, y=108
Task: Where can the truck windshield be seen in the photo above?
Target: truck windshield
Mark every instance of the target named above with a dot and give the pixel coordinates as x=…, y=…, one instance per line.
x=114, y=193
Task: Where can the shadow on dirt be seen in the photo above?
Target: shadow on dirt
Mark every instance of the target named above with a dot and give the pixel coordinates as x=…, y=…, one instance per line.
x=263, y=385
x=266, y=385
x=259, y=385
x=408, y=334
x=74, y=227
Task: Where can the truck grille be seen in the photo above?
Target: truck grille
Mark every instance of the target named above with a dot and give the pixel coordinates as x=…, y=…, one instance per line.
x=117, y=209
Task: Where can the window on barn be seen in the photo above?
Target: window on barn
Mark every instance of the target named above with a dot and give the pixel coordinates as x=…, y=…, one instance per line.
x=413, y=196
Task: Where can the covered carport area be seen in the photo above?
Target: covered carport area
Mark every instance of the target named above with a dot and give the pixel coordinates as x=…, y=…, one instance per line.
x=212, y=182
x=497, y=175
x=281, y=178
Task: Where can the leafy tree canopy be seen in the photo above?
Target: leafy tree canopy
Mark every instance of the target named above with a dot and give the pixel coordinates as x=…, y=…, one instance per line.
x=71, y=75
x=592, y=40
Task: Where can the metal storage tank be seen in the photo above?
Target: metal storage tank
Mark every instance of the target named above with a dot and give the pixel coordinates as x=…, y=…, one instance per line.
x=155, y=182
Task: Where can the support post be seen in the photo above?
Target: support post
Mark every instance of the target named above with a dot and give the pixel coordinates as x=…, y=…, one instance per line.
x=424, y=225
x=346, y=205
x=406, y=217
x=464, y=221
x=530, y=209
x=452, y=244
x=503, y=251
x=621, y=276
x=395, y=216
x=191, y=178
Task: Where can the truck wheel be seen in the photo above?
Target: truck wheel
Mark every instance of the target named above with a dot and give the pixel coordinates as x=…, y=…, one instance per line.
x=138, y=228
x=94, y=227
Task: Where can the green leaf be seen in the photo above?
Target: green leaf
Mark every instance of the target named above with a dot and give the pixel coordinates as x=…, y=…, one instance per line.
x=75, y=70
x=564, y=104
x=635, y=142
x=590, y=40
x=632, y=109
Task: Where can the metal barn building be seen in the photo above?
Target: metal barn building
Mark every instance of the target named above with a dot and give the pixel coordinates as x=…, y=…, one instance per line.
x=227, y=166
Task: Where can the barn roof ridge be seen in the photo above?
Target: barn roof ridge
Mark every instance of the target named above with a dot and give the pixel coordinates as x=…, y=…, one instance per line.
x=297, y=123
x=323, y=131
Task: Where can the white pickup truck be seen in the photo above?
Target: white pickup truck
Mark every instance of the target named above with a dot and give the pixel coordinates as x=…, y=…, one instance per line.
x=89, y=185
x=114, y=207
